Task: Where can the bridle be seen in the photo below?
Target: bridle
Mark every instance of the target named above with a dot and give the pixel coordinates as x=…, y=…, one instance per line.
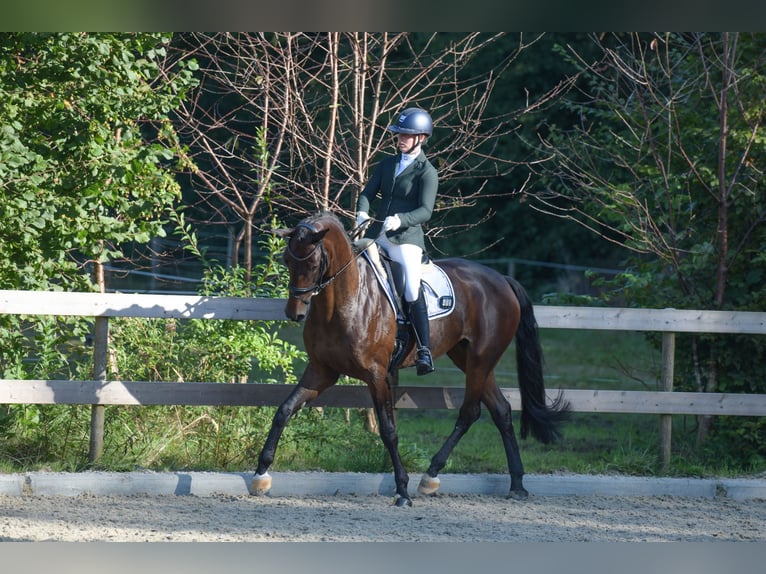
x=319, y=284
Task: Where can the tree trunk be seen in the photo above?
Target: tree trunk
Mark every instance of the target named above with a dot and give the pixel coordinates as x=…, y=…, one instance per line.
x=248, y=255
x=722, y=229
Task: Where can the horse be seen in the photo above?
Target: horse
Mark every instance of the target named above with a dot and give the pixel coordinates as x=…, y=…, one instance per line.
x=350, y=329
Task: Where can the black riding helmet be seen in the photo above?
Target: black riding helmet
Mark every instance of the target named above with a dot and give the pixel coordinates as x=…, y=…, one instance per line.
x=413, y=121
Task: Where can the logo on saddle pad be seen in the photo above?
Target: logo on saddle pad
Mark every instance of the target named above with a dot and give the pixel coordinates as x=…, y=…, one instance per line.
x=437, y=289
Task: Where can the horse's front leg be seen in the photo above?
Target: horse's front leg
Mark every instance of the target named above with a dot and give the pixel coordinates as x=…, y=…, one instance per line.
x=382, y=399
x=312, y=383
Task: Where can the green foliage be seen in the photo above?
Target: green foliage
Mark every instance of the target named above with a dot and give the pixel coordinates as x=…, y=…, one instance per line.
x=85, y=151
x=42, y=348
x=200, y=350
x=85, y=147
x=333, y=440
x=738, y=443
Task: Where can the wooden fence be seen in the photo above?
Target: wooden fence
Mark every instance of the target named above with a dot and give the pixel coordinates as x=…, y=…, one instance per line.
x=100, y=392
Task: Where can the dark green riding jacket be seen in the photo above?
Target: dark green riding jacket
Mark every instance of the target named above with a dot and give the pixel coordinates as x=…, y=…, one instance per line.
x=411, y=196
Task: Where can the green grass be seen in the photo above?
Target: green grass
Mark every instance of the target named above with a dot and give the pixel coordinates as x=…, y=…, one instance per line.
x=592, y=444
x=572, y=359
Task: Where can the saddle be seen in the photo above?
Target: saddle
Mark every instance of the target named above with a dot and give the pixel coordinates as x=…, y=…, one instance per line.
x=437, y=287
x=437, y=291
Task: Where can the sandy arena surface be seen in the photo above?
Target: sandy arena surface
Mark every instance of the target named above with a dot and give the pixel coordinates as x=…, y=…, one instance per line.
x=371, y=518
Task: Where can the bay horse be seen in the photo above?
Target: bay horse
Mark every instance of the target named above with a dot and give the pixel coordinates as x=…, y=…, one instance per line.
x=350, y=329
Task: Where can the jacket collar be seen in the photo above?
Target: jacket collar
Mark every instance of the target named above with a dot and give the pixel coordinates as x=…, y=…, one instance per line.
x=419, y=162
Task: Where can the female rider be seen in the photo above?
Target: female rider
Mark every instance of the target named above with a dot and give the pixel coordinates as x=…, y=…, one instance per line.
x=406, y=184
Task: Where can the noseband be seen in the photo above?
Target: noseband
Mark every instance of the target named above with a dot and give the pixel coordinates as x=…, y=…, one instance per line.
x=319, y=284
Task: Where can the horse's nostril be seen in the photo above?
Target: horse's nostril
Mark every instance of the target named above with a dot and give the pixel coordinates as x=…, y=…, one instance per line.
x=292, y=313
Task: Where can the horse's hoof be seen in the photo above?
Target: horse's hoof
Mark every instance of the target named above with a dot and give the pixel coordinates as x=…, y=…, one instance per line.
x=428, y=484
x=402, y=501
x=520, y=494
x=261, y=484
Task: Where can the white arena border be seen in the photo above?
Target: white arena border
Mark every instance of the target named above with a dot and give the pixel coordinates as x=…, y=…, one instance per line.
x=193, y=483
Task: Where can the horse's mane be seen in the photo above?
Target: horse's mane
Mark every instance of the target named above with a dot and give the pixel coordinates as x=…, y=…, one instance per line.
x=322, y=219
x=327, y=216
x=324, y=214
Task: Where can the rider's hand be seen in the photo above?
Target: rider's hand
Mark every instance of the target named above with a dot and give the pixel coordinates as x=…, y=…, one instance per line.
x=361, y=217
x=392, y=223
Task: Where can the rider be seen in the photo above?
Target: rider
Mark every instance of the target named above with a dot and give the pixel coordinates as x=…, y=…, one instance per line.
x=406, y=184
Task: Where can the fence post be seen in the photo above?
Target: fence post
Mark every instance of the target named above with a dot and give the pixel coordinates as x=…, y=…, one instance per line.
x=100, y=353
x=100, y=356
x=666, y=421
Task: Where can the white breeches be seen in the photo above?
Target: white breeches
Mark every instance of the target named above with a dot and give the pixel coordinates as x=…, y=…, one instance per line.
x=410, y=257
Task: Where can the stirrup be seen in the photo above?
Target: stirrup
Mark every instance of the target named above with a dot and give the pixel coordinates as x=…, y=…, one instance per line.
x=424, y=362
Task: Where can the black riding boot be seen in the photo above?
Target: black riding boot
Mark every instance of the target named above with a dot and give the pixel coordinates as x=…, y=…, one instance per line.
x=418, y=313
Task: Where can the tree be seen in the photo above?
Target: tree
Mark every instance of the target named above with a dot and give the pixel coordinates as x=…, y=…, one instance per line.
x=293, y=122
x=666, y=159
x=85, y=151
x=85, y=154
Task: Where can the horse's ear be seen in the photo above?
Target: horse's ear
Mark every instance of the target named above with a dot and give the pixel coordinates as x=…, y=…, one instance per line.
x=283, y=233
x=317, y=237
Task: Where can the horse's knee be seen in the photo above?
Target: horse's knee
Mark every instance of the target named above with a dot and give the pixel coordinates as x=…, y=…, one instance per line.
x=283, y=414
x=387, y=428
x=390, y=439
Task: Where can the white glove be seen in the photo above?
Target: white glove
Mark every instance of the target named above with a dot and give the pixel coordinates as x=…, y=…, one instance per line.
x=361, y=217
x=392, y=223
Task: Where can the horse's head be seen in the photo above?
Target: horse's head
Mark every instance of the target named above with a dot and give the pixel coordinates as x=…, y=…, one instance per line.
x=306, y=261
x=309, y=261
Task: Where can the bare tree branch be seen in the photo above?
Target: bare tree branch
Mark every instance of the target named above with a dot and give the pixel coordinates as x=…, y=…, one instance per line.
x=290, y=122
x=665, y=159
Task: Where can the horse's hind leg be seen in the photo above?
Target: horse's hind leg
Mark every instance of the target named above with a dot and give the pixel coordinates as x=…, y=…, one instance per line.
x=469, y=413
x=500, y=410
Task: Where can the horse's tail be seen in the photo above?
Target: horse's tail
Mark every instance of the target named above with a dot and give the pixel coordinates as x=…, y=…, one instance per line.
x=542, y=420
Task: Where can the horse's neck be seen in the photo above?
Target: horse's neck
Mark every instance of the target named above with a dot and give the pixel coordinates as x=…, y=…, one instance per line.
x=339, y=298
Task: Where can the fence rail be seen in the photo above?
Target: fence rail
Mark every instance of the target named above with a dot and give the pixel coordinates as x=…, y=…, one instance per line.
x=202, y=307
x=101, y=392
x=94, y=392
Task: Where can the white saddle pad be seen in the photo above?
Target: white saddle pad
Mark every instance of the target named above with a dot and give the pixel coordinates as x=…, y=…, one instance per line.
x=439, y=293
x=437, y=289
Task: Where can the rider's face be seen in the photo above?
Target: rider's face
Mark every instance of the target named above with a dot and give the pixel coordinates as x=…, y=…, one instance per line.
x=404, y=142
